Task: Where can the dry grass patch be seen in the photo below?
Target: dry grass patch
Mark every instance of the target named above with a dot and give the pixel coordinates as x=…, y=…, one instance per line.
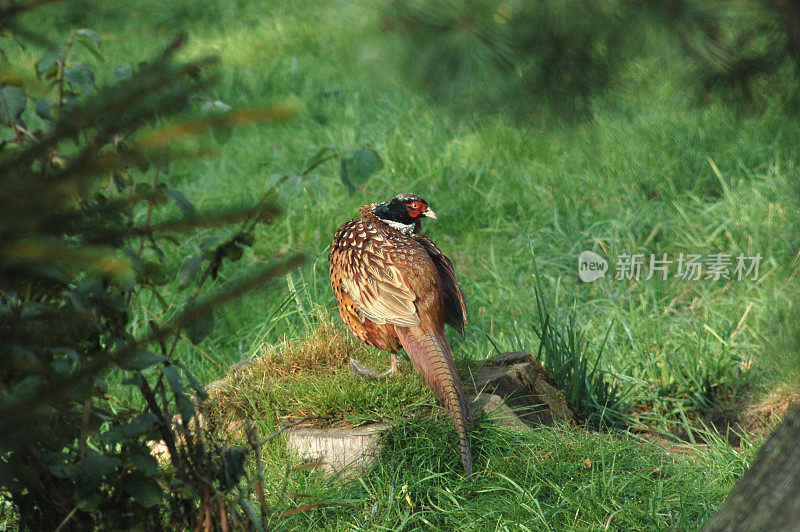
x=325, y=349
x=762, y=416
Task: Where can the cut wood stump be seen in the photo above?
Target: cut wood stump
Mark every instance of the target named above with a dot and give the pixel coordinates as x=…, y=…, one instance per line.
x=336, y=449
x=525, y=386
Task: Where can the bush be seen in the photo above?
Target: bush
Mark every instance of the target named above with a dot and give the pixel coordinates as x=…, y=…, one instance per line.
x=78, y=242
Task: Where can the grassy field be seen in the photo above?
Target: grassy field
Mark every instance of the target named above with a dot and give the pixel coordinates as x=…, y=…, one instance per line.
x=650, y=172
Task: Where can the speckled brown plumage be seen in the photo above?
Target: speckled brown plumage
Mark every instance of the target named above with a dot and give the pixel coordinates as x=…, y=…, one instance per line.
x=396, y=288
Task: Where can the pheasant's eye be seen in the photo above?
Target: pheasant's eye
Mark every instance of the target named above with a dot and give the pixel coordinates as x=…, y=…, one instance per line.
x=414, y=208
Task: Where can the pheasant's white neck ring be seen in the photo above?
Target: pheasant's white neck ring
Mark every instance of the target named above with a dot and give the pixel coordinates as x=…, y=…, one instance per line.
x=406, y=229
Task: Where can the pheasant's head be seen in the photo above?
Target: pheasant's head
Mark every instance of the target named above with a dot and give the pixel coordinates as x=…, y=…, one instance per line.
x=404, y=212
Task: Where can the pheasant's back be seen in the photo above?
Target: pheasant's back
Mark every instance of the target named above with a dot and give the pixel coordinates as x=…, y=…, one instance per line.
x=366, y=250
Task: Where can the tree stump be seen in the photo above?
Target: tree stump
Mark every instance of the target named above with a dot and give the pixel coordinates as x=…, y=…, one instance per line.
x=525, y=386
x=513, y=389
x=336, y=449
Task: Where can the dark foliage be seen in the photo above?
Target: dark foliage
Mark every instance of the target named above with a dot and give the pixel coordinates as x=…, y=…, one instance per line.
x=739, y=48
x=559, y=53
x=488, y=51
x=78, y=242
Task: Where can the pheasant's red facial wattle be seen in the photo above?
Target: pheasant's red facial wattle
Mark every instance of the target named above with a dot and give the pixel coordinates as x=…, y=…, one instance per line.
x=415, y=208
x=404, y=212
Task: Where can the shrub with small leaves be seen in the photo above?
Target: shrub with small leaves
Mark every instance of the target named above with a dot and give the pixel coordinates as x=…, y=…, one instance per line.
x=81, y=234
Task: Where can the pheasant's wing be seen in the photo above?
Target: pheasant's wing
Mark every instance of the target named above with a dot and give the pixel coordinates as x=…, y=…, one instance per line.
x=455, y=308
x=370, y=275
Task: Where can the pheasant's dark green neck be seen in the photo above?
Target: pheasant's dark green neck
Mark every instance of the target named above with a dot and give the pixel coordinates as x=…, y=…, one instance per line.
x=396, y=217
x=382, y=211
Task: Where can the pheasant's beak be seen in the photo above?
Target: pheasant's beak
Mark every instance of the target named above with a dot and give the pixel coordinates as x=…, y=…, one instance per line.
x=430, y=214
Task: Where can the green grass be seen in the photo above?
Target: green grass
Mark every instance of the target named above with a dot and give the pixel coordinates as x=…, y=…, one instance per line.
x=650, y=172
x=545, y=479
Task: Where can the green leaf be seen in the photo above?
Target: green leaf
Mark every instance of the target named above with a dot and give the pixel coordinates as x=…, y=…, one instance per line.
x=232, y=467
x=60, y=366
x=185, y=405
x=189, y=271
x=12, y=105
x=91, y=41
x=119, y=181
x=69, y=353
x=201, y=326
x=139, y=425
x=43, y=109
x=26, y=388
x=89, y=472
x=47, y=65
x=85, y=33
x=140, y=360
x=87, y=501
x=198, y=387
x=80, y=75
x=144, y=462
x=212, y=246
x=226, y=244
x=131, y=430
x=19, y=357
x=361, y=164
x=345, y=180
x=173, y=379
x=184, y=205
x=144, y=489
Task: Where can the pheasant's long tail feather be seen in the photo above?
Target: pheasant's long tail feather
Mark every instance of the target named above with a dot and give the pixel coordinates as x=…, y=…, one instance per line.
x=430, y=354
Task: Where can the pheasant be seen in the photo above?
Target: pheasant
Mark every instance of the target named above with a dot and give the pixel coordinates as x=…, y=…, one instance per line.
x=394, y=287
